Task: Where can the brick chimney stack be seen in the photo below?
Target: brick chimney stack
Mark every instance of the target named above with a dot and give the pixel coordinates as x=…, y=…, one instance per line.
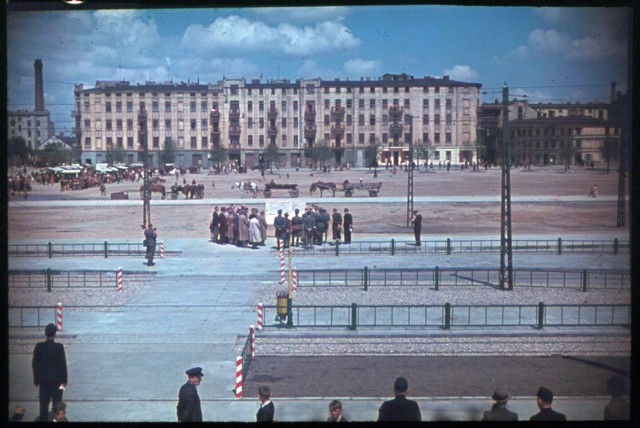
x=39, y=86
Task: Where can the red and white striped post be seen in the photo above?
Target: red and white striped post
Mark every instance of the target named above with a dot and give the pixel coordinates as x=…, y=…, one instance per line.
x=259, y=316
x=294, y=279
x=59, y=316
x=162, y=249
x=252, y=333
x=238, y=377
x=119, y=279
x=282, y=277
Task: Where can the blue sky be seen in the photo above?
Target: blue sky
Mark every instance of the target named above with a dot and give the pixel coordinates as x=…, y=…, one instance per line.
x=549, y=54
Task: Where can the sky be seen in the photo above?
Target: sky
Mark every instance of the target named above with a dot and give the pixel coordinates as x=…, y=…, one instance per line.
x=548, y=54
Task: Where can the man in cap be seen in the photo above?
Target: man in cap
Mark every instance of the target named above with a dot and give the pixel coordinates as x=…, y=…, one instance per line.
x=150, y=236
x=400, y=408
x=280, y=224
x=544, y=397
x=49, y=370
x=417, y=226
x=189, y=409
x=348, y=226
x=499, y=411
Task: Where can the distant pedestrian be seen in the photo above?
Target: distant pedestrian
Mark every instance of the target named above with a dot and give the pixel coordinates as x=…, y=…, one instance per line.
x=400, y=408
x=544, y=398
x=189, y=409
x=255, y=236
x=619, y=408
x=499, y=411
x=336, y=225
x=347, y=224
x=280, y=224
x=296, y=228
x=267, y=410
x=214, y=226
x=335, y=409
x=103, y=190
x=263, y=228
x=594, y=191
x=417, y=226
x=150, y=236
x=49, y=366
x=309, y=226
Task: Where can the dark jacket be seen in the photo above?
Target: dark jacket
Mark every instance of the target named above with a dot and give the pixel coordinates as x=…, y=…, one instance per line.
x=548, y=415
x=499, y=413
x=399, y=409
x=188, y=408
x=348, y=220
x=49, y=363
x=266, y=413
x=417, y=222
x=150, y=237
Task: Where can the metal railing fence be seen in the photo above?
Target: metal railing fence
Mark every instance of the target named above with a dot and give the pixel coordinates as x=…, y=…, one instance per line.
x=584, y=279
x=100, y=249
x=50, y=278
x=447, y=316
x=449, y=246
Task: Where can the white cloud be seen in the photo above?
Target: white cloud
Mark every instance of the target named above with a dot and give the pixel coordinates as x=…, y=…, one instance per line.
x=235, y=33
x=300, y=14
x=461, y=72
x=359, y=67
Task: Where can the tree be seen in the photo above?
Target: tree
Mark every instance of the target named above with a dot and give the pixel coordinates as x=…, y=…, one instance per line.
x=421, y=151
x=115, y=154
x=609, y=151
x=168, y=153
x=371, y=153
x=218, y=155
x=56, y=154
x=17, y=150
x=271, y=155
x=566, y=152
x=321, y=153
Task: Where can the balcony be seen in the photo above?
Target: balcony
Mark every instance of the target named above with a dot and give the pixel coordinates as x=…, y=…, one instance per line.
x=234, y=115
x=310, y=116
x=395, y=113
x=214, y=116
x=234, y=130
x=234, y=148
x=396, y=128
x=309, y=131
x=272, y=113
x=272, y=131
x=337, y=113
x=337, y=131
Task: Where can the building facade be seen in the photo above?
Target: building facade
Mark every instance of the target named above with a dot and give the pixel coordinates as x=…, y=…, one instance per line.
x=33, y=126
x=245, y=117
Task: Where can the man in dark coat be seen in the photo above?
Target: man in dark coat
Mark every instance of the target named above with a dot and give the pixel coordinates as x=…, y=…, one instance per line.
x=188, y=408
x=49, y=370
x=296, y=228
x=417, y=226
x=214, y=226
x=280, y=226
x=499, y=411
x=267, y=410
x=222, y=225
x=150, y=236
x=348, y=226
x=544, y=398
x=400, y=408
x=336, y=225
x=308, y=226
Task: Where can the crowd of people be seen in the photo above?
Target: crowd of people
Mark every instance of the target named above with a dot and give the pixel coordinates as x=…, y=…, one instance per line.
x=247, y=227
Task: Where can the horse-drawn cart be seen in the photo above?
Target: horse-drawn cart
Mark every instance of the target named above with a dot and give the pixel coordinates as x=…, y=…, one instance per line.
x=189, y=190
x=373, y=188
x=270, y=187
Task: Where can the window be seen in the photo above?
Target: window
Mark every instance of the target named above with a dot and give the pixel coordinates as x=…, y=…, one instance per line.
x=436, y=119
x=118, y=106
x=87, y=143
x=249, y=105
x=361, y=89
x=425, y=138
x=385, y=104
x=372, y=103
x=261, y=141
x=372, y=138
x=284, y=122
x=250, y=122
x=385, y=119
x=284, y=140
x=234, y=89
x=361, y=119
x=167, y=124
x=119, y=125
x=448, y=103
x=87, y=107
x=129, y=106
x=194, y=142
x=447, y=138
x=250, y=140
x=372, y=119
x=295, y=122
x=204, y=124
x=108, y=107
x=180, y=125
x=327, y=104
x=154, y=123
x=109, y=125
x=385, y=138
x=156, y=142
x=361, y=138
x=193, y=124
x=261, y=122
x=261, y=106
x=205, y=142
x=203, y=106
x=337, y=90
x=283, y=106
x=349, y=103
x=295, y=106
x=407, y=103
x=361, y=103
x=192, y=107
x=436, y=138
x=349, y=120
x=384, y=90
x=448, y=119
x=310, y=89
x=295, y=141
x=425, y=119
x=129, y=124
x=349, y=138
x=130, y=142
x=167, y=106
x=326, y=90
x=326, y=119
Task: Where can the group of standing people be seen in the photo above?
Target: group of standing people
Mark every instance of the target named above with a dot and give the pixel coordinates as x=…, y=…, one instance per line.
x=313, y=227
x=238, y=226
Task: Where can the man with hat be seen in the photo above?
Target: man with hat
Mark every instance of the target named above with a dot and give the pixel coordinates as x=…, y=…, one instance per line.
x=417, y=226
x=544, y=399
x=499, y=411
x=189, y=409
x=400, y=408
x=49, y=370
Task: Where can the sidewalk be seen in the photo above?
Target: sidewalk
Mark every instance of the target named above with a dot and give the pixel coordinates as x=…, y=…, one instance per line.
x=127, y=364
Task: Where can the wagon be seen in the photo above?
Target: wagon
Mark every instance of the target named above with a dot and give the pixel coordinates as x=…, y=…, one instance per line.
x=373, y=188
x=270, y=187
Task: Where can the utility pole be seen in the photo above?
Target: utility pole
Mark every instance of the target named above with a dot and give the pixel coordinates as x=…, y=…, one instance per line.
x=146, y=194
x=622, y=119
x=506, y=261
x=410, y=174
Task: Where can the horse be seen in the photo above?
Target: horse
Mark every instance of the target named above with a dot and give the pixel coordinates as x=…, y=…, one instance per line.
x=246, y=187
x=159, y=188
x=320, y=185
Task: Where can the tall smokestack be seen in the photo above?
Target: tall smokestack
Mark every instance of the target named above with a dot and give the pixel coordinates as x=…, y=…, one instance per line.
x=613, y=92
x=39, y=86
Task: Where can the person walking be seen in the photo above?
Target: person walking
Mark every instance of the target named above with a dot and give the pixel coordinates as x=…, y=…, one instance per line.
x=544, y=398
x=400, y=408
x=150, y=236
x=336, y=225
x=189, y=409
x=255, y=236
x=49, y=366
x=267, y=410
x=347, y=225
x=499, y=411
x=417, y=226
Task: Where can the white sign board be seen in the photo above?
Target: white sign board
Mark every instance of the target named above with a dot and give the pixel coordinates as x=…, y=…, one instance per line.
x=286, y=205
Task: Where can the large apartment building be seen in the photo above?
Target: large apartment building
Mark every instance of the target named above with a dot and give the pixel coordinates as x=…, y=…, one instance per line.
x=245, y=117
